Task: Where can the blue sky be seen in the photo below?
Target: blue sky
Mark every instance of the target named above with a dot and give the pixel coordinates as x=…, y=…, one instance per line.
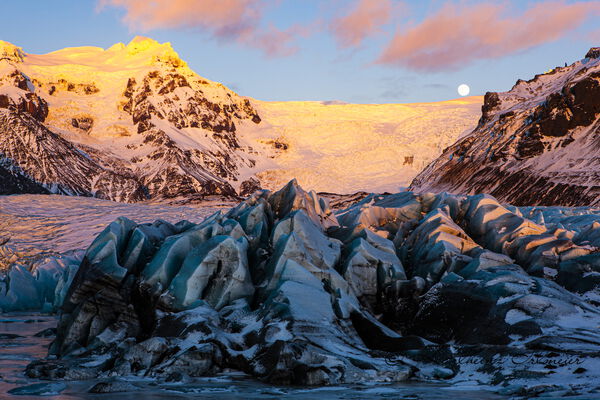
x=320, y=68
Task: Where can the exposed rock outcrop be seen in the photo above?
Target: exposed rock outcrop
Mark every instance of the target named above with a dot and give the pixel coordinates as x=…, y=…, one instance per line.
x=17, y=93
x=593, y=53
x=534, y=145
x=39, y=158
x=14, y=180
x=10, y=52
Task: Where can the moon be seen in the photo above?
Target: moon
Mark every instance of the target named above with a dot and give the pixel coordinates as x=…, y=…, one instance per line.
x=464, y=90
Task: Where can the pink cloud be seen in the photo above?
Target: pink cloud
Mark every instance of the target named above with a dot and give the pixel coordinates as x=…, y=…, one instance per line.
x=365, y=19
x=459, y=33
x=234, y=20
x=594, y=36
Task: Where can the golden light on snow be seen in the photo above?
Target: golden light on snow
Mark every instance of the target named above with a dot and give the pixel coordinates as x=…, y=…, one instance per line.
x=464, y=90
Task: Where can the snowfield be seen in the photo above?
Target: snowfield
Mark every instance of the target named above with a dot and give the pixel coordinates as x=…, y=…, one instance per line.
x=345, y=148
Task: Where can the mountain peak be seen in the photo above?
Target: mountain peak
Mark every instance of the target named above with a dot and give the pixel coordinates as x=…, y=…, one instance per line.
x=9, y=51
x=142, y=40
x=593, y=53
x=159, y=52
x=141, y=44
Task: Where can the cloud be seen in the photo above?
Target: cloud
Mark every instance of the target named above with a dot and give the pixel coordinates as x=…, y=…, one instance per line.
x=594, y=36
x=365, y=19
x=393, y=93
x=458, y=34
x=232, y=20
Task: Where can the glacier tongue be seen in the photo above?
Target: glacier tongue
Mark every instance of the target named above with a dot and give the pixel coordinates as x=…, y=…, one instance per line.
x=397, y=286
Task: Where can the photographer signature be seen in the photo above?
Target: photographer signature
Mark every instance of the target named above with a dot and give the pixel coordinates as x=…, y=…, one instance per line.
x=561, y=361
x=529, y=359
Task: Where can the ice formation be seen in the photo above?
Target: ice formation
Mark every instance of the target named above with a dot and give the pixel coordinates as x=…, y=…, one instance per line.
x=41, y=286
x=394, y=287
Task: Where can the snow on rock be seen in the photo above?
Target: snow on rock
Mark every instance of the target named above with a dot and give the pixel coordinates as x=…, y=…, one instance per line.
x=534, y=145
x=593, y=53
x=10, y=52
x=16, y=94
x=49, y=163
x=134, y=122
x=131, y=122
x=402, y=286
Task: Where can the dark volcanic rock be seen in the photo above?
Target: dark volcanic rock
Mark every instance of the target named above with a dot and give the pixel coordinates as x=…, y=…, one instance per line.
x=37, y=160
x=83, y=123
x=24, y=99
x=593, y=53
x=490, y=102
x=249, y=186
x=13, y=180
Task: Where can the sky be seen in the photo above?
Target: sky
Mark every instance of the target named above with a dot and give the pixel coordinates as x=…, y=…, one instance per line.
x=359, y=51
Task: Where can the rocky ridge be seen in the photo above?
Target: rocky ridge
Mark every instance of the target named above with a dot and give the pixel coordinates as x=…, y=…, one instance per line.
x=394, y=287
x=535, y=144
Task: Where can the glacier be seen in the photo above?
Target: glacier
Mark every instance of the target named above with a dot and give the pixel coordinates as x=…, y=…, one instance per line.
x=393, y=288
x=43, y=240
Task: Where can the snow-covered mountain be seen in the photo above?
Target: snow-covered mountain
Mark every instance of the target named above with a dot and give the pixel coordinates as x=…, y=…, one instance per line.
x=126, y=123
x=536, y=144
x=134, y=122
